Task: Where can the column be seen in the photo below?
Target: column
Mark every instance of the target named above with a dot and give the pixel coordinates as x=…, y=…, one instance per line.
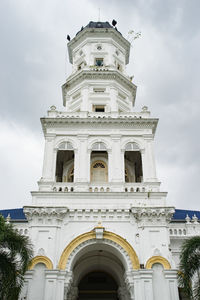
x=116, y=162
x=144, y=165
x=47, y=172
x=113, y=100
x=85, y=96
x=76, y=165
x=82, y=156
x=26, y=290
x=123, y=165
x=149, y=160
x=146, y=282
x=172, y=284
x=54, y=285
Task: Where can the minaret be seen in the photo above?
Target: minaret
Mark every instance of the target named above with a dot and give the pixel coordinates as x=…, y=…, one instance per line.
x=99, y=221
x=100, y=96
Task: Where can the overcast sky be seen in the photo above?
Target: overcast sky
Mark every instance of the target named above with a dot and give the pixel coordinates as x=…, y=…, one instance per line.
x=165, y=63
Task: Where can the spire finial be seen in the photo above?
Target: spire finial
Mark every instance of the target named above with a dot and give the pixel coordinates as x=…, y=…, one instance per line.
x=99, y=14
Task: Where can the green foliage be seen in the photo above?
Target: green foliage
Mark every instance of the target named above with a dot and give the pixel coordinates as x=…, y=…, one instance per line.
x=15, y=255
x=189, y=276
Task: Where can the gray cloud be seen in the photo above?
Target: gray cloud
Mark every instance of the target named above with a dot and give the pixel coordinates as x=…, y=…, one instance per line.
x=165, y=63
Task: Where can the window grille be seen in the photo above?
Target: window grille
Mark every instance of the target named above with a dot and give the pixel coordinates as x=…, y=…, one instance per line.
x=99, y=146
x=65, y=146
x=132, y=147
x=99, y=165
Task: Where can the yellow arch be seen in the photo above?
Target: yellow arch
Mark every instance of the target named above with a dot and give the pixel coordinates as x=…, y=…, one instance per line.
x=91, y=235
x=41, y=259
x=158, y=260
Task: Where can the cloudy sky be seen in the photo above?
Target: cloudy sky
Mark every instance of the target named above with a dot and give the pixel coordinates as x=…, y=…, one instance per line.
x=165, y=63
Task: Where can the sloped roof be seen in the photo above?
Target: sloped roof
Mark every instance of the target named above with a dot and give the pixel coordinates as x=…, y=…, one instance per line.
x=98, y=24
x=18, y=214
x=15, y=214
x=180, y=214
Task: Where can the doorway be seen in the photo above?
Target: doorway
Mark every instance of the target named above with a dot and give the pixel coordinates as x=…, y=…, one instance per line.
x=97, y=285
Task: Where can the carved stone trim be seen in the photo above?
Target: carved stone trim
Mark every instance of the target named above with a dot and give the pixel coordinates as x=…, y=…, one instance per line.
x=55, y=212
x=158, y=259
x=41, y=259
x=152, y=214
x=89, y=238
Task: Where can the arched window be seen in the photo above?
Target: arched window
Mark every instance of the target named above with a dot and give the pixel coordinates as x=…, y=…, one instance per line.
x=98, y=147
x=65, y=160
x=133, y=163
x=65, y=146
x=132, y=147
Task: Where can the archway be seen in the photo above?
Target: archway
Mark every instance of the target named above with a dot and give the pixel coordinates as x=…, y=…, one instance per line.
x=109, y=258
x=97, y=273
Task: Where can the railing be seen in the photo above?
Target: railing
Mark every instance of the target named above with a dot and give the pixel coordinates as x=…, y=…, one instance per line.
x=63, y=187
x=134, y=187
x=177, y=231
x=103, y=115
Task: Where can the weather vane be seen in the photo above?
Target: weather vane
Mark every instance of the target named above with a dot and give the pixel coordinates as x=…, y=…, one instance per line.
x=132, y=35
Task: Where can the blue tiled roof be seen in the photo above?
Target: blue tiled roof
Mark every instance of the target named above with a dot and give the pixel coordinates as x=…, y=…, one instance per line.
x=180, y=214
x=15, y=214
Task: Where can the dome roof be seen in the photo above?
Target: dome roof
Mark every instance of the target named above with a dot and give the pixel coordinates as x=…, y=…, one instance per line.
x=98, y=25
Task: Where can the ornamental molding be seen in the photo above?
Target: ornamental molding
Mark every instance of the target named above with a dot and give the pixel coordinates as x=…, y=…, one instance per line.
x=119, y=215
x=80, y=242
x=158, y=260
x=99, y=74
x=98, y=123
x=145, y=215
x=43, y=260
x=52, y=212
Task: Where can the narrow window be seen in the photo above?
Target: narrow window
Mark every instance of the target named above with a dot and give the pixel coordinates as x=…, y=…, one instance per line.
x=99, y=108
x=99, y=62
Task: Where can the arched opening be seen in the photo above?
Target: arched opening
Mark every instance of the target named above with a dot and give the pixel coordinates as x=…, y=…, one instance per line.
x=133, y=163
x=98, y=273
x=97, y=285
x=65, y=163
x=109, y=260
x=99, y=163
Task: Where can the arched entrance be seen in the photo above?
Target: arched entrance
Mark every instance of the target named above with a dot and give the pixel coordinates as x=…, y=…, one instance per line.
x=97, y=285
x=99, y=267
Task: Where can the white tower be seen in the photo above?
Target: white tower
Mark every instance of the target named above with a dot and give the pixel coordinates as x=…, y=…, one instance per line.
x=98, y=222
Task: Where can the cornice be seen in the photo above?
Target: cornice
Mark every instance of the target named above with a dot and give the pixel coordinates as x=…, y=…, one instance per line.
x=147, y=215
x=99, y=123
x=41, y=211
x=100, y=74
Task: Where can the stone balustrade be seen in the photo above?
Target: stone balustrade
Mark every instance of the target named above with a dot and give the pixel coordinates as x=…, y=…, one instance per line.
x=134, y=187
x=104, y=115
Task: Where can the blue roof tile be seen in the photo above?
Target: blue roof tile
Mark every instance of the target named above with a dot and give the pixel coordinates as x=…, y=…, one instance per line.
x=15, y=214
x=180, y=214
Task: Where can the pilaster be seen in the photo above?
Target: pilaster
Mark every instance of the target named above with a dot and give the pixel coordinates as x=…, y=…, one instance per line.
x=47, y=172
x=150, y=168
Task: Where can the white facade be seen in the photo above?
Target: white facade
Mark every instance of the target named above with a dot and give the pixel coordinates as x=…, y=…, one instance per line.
x=99, y=209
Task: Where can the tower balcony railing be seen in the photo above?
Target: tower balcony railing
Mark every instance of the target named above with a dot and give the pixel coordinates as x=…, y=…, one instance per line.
x=104, y=187
x=104, y=115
